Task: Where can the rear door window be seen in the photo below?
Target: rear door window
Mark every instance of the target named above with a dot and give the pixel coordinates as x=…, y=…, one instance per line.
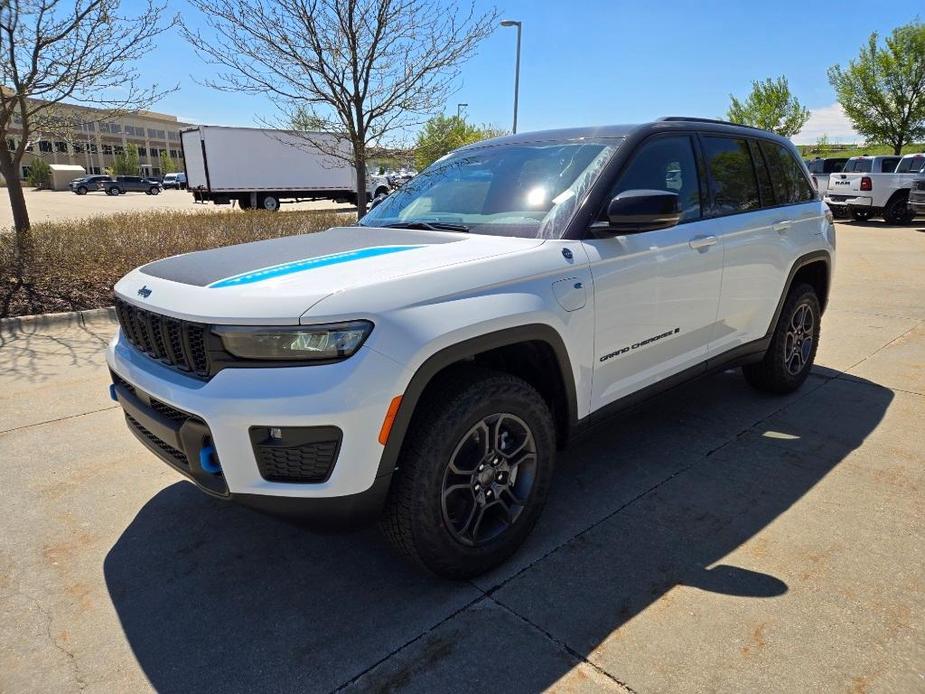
x=790, y=185
x=888, y=165
x=735, y=188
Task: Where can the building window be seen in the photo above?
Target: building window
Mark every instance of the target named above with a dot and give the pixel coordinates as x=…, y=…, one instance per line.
x=142, y=151
x=44, y=146
x=155, y=152
x=130, y=130
x=79, y=147
x=61, y=147
x=173, y=136
x=95, y=170
x=10, y=144
x=26, y=170
x=156, y=171
x=107, y=149
x=119, y=149
x=157, y=134
x=91, y=147
x=173, y=154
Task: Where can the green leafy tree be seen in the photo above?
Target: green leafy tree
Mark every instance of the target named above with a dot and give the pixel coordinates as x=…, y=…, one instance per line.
x=770, y=106
x=168, y=165
x=127, y=162
x=883, y=89
x=39, y=173
x=442, y=134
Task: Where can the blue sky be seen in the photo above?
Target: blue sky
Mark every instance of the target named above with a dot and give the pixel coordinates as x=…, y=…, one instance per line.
x=589, y=62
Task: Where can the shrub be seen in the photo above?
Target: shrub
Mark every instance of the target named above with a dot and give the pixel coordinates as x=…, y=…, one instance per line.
x=74, y=264
x=39, y=174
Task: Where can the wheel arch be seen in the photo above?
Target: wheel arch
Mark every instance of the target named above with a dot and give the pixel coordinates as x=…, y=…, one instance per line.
x=813, y=268
x=542, y=346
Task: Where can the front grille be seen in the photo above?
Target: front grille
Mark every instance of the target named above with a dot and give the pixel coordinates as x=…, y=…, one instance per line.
x=176, y=455
x=178, y=344
x=310, y=462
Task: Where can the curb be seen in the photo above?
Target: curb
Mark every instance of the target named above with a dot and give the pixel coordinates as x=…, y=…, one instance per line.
x=22, y=324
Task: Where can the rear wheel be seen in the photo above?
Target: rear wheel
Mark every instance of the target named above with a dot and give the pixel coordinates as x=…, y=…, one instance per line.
x=113, y=191
x=270, y=203
x=474, y=474
x=244, y=202
x=793, y=346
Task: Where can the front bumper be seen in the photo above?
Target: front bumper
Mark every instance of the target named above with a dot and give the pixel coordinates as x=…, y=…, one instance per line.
x=917, y=202
x=848, y=201
x=352, y=395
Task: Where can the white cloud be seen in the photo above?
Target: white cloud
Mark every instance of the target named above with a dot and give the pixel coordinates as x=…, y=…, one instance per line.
x=830, y=121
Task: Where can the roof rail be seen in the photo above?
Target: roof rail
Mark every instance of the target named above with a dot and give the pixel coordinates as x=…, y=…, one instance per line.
x=694, y=119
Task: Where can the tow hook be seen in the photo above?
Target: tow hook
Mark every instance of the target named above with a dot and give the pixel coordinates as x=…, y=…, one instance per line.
x=208, y=461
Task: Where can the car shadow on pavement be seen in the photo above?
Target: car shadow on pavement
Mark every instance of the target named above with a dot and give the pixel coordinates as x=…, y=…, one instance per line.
x=213, y=596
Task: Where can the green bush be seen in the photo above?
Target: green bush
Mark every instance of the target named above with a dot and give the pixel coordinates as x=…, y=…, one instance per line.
x=74, y=264
x=39, y=174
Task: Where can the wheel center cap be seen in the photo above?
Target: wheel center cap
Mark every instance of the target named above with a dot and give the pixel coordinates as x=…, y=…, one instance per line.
x=486, y=476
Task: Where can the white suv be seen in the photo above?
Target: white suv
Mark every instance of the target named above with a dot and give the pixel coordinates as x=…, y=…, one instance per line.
x=425, y=365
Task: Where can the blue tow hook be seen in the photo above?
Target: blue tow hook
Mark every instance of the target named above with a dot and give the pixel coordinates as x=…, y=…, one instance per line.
x=112, y=393
x=206, y=462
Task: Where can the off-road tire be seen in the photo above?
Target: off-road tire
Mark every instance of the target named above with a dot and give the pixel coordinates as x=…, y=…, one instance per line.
x=413, y=520
x=897, y=211
x=772, y=374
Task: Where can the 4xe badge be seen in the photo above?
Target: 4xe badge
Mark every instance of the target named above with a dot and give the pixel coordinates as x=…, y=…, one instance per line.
x=144, y=292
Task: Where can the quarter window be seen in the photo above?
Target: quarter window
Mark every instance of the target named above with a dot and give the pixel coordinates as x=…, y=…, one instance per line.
x=735, y=188
x=764, y=180
x=664, y=163
x=790, y=185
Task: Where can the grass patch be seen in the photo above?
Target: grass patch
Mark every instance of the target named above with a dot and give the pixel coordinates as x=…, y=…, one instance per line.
x=74, y=264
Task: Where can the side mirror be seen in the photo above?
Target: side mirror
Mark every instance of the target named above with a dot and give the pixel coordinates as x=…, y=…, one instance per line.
x=376, y=201
x=633, y=211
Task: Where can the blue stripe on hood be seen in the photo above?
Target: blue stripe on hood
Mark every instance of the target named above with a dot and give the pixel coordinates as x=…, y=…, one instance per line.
x=308, y=264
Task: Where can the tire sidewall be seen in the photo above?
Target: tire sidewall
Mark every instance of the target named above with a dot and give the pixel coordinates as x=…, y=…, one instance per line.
x=432, y=535
x=804, y=295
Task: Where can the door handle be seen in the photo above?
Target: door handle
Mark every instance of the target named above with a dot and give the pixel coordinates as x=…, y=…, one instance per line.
x=781, y=227
x=699, y=242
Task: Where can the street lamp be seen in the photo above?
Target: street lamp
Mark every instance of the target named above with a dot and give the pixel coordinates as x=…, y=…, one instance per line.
x=459, y=108
x=515, y=23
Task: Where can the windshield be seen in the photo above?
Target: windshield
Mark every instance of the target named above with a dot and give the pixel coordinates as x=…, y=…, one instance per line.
x=529, y=190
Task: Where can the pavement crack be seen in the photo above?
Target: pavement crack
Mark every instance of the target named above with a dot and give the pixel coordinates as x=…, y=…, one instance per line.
x=563, y=646
x=57, y=419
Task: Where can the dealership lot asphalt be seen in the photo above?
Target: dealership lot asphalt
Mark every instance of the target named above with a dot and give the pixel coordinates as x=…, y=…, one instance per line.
x=55, y=205
x=714, y=540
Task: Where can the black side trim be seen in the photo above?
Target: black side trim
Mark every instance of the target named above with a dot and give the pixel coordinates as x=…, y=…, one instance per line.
x=748, y=353
x=802, y=262
x=468, y=348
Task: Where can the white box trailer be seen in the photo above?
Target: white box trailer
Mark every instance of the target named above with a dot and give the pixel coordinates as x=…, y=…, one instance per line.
x=260, y=168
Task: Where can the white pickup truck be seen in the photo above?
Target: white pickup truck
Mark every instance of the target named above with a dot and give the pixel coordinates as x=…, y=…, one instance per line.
x=865, y=193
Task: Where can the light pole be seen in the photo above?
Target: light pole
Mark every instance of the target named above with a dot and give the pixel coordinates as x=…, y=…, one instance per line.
x=515, y=23
x=459, y=108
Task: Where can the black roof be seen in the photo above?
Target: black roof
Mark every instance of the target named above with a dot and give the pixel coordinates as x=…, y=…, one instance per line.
x=617, y=131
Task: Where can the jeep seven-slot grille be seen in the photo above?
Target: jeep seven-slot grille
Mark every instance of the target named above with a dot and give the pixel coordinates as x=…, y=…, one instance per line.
x=179, y=344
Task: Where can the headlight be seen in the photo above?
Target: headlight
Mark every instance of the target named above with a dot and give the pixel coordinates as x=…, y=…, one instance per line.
x=337, y=341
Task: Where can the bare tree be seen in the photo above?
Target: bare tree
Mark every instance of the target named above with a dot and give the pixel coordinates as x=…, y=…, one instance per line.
x=363, y=69
x=59, y=52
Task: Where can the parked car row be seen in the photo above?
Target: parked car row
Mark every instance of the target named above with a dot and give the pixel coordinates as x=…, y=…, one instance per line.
x=866, y=187
x=117, y=185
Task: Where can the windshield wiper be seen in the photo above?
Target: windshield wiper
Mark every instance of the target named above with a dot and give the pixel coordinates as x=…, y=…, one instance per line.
x=432, y=226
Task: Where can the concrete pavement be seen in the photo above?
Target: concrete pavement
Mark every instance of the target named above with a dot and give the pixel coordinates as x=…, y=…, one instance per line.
x=715, y=540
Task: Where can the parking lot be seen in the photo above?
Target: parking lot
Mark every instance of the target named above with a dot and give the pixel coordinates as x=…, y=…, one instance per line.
x=716, y=539
x=52, y=205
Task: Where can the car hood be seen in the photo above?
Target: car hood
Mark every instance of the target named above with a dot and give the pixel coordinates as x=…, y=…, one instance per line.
x=278, y=280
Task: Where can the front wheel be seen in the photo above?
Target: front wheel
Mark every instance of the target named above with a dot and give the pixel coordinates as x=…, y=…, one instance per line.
x=154, y=190
x=474, y=474
x=113, y=191
x=897, y=211
x=793, y=346
x=82, y=190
